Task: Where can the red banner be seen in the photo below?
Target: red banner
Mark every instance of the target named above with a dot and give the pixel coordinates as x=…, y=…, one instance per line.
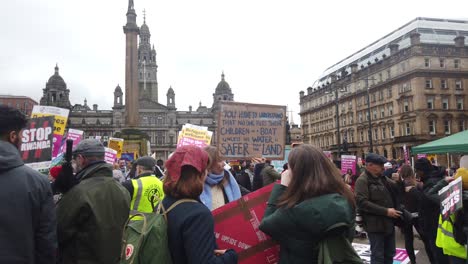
x=236, y=227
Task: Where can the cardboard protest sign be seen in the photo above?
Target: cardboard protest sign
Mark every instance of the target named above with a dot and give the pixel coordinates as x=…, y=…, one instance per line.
x=110, y=155
x=348, y=162
x=451, y=198
x=194, y=135
x=37, y=142
x=236, y=227
x=61, y=117
x=117, y=145
x=251, y=130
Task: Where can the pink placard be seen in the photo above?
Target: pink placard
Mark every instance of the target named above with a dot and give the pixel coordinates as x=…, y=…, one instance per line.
x=348, y=162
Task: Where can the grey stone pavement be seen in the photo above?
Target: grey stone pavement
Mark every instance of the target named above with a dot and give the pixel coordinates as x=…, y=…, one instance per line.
x=421, y=257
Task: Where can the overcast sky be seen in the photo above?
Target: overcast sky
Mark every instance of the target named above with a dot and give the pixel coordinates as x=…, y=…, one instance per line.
x=269, y=50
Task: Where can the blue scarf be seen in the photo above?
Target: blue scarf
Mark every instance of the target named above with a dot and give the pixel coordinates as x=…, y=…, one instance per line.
x=231, y=188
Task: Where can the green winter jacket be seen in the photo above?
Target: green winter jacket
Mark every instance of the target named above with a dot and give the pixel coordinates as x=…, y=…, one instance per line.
x=91, y=217
x=299, y=229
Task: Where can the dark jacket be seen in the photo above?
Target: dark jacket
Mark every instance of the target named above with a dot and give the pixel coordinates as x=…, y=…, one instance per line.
x=258, y=180
x=430, y=207
x=190, y=231
x=269, y=175
x=373, y=199
x=27, y=212
x=91, y=217
x=243, y=179
x=299, y=229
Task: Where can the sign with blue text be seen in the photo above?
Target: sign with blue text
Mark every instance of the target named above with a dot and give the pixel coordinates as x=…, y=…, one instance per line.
x=251, y=131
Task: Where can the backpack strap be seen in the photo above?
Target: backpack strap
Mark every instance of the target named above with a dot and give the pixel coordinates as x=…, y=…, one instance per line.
x=179, y=202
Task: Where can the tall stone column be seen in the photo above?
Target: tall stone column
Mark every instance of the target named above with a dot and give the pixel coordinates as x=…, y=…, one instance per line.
x=131, y=31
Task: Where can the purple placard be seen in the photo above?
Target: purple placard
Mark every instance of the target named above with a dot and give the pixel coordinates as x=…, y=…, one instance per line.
x=421, y=156
x=348, y=162
x=110, y=155
x=73, y=134
x=57, y=145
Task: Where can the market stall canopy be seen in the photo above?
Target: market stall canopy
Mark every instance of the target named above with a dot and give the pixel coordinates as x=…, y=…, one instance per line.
x=457, y=143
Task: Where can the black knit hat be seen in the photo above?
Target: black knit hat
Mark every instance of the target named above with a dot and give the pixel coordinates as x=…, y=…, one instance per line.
x=424, y=165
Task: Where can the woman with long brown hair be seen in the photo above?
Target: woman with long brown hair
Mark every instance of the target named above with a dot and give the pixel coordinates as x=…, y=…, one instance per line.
x=311, y=198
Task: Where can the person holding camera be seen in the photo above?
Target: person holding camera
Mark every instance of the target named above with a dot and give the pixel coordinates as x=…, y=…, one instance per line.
x=378, y=209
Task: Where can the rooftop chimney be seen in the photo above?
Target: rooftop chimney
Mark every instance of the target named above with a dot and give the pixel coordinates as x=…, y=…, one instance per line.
x=354, y=67
x=309, y=90
x=95, y=107
x=301, y=94
x=393, y=48
x=415, y=38
x=459, y=41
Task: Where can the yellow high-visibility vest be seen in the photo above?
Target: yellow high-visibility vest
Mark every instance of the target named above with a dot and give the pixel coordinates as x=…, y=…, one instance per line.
x=144, y=189
x=446, y=240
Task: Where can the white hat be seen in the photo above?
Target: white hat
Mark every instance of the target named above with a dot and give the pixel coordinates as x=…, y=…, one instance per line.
x=387, y=165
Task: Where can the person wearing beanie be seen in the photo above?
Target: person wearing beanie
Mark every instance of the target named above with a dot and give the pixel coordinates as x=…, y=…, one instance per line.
x=190, y=230
x=430, y=175
x=92, y=214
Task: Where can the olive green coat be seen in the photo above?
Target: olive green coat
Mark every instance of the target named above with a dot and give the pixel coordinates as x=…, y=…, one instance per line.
x=91, y=217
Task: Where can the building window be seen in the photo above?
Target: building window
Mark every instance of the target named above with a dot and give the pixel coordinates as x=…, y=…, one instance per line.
x=445, y=103
x=373, y=97
x=384, y=132
x=430, y=103
x=428, y=84
x=447, y=127
x=456, y=63
x=382, y=112
x=374, y=114
x=461, y=125
x=360, y=117
x=392, y=132
x=351, y=118
x=458, y=85
x=389, y=92
x=362, y=136
x=390, y=109
x=427, y=62
x=408, y=129
x=376, y=134
x=381, y=96
x=442, y=63
x=443, y=84
x=405, y=106
x=432, y=127
x=344, y=121
x=367, y=116
x=459, y=103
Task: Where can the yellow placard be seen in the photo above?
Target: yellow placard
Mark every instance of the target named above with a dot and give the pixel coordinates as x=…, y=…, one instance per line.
x=117, y=145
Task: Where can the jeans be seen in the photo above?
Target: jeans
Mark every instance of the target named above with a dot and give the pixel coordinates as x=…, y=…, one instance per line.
x=382, y=247
x=409, y=241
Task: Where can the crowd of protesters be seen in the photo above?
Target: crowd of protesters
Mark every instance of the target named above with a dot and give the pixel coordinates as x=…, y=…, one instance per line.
x=78, y=214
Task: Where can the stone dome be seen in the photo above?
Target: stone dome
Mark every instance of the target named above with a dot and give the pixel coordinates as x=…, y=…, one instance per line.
x=144, y=29
x=56, y=81
x=170, y=90
x=223, y=86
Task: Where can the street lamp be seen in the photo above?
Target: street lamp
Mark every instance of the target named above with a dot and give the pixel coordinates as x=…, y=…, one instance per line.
x=335, y=90
x=371, y=147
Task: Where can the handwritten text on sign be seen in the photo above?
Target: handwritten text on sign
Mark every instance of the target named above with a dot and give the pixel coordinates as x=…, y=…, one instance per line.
x=251, y=130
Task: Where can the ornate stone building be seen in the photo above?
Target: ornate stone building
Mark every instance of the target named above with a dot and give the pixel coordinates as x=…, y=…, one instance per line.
x=407, y=88
x=161, y=123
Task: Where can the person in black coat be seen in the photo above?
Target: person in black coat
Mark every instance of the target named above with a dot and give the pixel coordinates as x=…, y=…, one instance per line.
x=246, y=178
x=27, y=212
x=190, y=226
x=430, y=175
